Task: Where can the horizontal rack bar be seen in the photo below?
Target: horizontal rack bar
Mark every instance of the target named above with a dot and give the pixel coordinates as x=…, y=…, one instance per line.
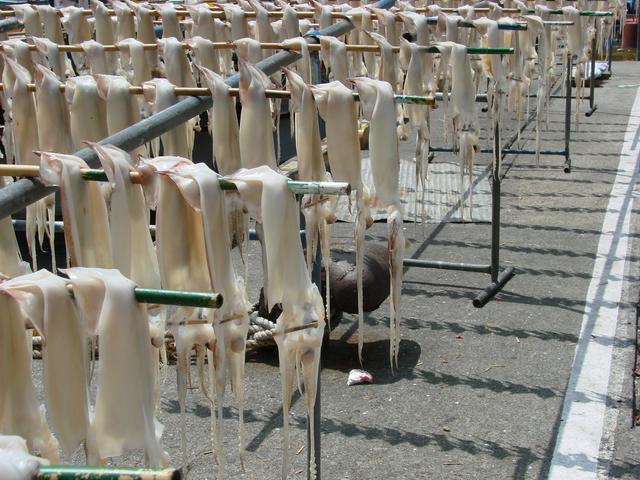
x=440, y=265
x=235, y=92
x=98, y=175
x=59, y=472
x=178, y=297
x=514, y=151
x=280, y=46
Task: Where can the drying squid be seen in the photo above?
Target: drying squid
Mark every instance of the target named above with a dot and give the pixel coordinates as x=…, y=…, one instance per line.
x=25, y=140
x=177, y=225
x=545, y=67
x=495, y=71
x=236, y=16
x=96, y=58
x=122, y=107
x=302, y=66
x=204, y=54
x=323, y=15
x=377, y=101
x=125, y=20
x=178, y=141
x=140, y=67
x=30, y=19
x=223, y=123
x=56, y=59
x=256, y=131
x=15, y=461
x=338, y=109
x=52, y=28
x=387, y=26
x=88, y=111
x=300, y=327
x=290, y=27
x=105, y=32
x=443, y=72
x=414, y=84
x=334, y=56
x=389, y=71
x=264, y=31
x=20, y=412
x=78, y=31
x=84, y=210
x=125, y=370
x=463, y=114
x=20, y=52
x=44, y=299
x=170, y=22
x=104, y=25
x=11, y=263
x=176, y=63
x=203, y=21
x=577, y=47
x=317, y=211
x=200, y=187
x=145, y=32
x=52, y=109
x=249, y=49
x=361, y=18
x=133, y=251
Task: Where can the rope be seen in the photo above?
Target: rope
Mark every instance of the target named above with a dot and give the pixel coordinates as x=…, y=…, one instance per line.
x=260, y=332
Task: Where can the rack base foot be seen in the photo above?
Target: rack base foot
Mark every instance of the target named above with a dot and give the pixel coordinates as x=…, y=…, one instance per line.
x=494, y=287
x=591, y=111
x=567, y=166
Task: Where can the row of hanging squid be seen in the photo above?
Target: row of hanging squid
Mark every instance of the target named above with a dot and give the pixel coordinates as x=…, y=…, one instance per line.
x=83, y=96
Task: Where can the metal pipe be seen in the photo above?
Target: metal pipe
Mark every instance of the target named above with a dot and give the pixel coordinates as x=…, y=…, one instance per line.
x=592, y=80
x=55, y=472
x=178, y=297
x=18, y=195
x=480, y=98
x=9, y=24
x=567, y=118
x=436, y=264
x=517, y=151
x=494, y=287
x=495, y=205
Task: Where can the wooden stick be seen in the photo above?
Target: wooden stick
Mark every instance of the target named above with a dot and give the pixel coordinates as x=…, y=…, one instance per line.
x=313, y=47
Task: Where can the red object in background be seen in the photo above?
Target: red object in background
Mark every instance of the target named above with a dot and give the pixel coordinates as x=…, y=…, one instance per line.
x=630, y=33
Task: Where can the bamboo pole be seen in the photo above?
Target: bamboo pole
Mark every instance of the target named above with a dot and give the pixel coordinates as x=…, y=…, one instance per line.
x=281, y=46
x=235, y=92
x=97, y=175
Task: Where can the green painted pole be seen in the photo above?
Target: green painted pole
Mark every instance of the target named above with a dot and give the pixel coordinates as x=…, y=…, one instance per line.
x=302, y=188
x=179, y=297
x=103, y=473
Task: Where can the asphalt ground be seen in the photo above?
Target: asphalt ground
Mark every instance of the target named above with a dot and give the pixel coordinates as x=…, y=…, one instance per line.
x=479, y=392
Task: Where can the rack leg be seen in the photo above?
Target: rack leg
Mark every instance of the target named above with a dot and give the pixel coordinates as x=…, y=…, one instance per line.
x=494, y=287
x=316, y=276
x=496, y=184
x=567, y=118
x=592, y=81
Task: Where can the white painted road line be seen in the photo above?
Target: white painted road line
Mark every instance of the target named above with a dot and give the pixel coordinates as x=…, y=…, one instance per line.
x=577, y=447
